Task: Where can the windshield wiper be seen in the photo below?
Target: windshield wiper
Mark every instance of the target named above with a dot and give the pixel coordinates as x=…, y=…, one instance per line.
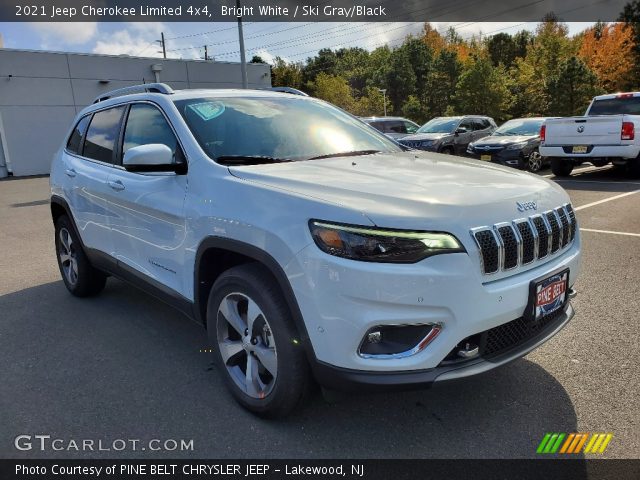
x=353, y=153
x=232, y=160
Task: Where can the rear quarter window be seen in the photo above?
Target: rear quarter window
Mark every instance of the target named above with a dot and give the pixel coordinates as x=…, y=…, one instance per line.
x=102, y=135
x=75, y=140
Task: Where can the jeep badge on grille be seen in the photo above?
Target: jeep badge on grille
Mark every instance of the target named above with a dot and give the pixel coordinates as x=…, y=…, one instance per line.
x=524, y=206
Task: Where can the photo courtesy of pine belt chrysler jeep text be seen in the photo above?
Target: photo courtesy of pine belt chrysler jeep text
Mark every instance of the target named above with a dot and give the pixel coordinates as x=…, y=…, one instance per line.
x=312, y=247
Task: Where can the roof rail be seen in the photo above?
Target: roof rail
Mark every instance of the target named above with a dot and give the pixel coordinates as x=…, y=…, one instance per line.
x=293, y=91
x=144, y=88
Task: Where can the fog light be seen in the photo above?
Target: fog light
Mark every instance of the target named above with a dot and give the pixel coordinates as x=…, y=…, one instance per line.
x=397, y=341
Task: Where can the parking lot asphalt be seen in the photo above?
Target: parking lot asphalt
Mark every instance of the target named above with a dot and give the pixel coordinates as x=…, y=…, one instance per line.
x=125, y=366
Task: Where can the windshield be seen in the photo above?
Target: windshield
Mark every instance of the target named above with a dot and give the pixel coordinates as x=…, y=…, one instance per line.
x=519, y=127
x=440, y=125
x=616, y=106
x=246, y=130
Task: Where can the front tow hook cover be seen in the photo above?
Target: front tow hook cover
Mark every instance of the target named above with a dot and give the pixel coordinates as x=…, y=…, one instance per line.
x=469, y=351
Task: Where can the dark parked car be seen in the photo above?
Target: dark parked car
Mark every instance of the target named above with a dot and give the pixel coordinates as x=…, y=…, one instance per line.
x=393, y=127
x=514, y=144
x=450, y=135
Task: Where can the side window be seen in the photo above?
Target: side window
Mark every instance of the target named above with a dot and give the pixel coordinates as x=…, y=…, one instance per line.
x=410, y=127
x=103, y=134
x=378, y=126
x=146, y=124
x=466, y=123
x=396, y=126
x=73, y=145
x=483, y=124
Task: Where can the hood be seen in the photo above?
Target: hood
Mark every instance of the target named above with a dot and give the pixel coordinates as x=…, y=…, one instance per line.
x=411, y=189
x=506, y=140
x=426, y=136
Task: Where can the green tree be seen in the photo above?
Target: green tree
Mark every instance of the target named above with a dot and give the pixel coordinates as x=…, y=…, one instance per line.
x=482, y=90
x=414, y=110
x=400, y=79
x=572, y=89
x=324, y=62
x=335, y=90
x=442, y=81
x=371, y=103
x=529, y=96
x=285, y=74
x=257, y=59
x=420, y=57
x=502, y=49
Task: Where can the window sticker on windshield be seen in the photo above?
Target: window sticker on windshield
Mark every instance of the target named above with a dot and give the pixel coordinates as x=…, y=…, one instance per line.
x=207, y=110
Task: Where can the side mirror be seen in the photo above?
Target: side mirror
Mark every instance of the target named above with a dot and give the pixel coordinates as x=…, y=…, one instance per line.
x=460, y=130
x=153, y=157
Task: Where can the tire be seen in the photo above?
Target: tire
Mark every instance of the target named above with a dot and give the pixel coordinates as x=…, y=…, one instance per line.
x=561, y=168
x=447, y=151
x=534, y=161
x=633, y=168
x=264, y=370
x=78, y=275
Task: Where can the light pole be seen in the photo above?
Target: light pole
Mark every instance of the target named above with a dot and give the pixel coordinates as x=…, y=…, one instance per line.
x=243, y=60
x=384, y=96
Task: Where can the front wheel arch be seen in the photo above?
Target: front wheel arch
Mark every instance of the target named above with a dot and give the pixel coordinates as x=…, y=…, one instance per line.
x=216, y=255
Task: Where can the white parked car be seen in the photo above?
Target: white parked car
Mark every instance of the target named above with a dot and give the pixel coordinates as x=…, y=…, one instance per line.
x=609, y=132
x=308, y=244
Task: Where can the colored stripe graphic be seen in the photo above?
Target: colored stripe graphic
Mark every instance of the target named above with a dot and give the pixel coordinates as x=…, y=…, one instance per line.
x=581, y=442
x=567, y=443
x=543, y=443
x=573, y=443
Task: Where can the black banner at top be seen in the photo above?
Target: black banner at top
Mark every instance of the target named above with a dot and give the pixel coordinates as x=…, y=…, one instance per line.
x=307, y=10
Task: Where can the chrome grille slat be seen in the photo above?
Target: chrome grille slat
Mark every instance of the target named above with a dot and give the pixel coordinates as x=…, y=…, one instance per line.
x=505, y=246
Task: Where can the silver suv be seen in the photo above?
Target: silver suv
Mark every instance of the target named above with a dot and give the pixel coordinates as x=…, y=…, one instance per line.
x=450, y=135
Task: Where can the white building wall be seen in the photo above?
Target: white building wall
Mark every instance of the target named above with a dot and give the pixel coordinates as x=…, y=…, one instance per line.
x=40, y=93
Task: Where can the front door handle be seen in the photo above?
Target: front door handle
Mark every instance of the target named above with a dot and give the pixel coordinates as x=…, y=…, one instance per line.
x=70, y=172
x=117, y=185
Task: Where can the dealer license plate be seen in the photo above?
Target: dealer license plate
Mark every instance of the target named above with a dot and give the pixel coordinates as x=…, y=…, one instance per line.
x=485, y=157
x=579, y=149
x=550, y=294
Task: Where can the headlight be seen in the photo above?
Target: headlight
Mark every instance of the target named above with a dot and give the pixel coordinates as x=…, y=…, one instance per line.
x=377, y=245
x=517, y=146
x=470, y=148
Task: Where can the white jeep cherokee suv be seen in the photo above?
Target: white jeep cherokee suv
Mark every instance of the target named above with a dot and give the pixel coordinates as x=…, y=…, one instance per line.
x=307, y=243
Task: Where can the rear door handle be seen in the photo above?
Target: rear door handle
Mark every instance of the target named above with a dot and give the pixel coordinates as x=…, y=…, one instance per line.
x=116, y=185
x=70, y=172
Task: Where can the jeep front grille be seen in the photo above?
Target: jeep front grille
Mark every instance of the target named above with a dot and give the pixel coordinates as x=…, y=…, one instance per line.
x=505, y=246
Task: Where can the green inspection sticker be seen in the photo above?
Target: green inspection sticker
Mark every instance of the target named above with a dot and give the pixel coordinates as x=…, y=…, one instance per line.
x=208, y=110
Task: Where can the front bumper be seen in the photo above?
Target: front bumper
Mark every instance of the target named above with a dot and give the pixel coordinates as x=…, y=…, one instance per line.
x=357, y=380
x=341, y=300
x=510, y=158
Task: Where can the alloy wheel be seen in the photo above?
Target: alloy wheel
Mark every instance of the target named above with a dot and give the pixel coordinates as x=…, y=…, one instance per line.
x=67, y=255
x=535, y=161
x=246, y=344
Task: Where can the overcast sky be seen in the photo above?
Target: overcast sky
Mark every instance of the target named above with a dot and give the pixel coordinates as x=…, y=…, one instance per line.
x=291, y=41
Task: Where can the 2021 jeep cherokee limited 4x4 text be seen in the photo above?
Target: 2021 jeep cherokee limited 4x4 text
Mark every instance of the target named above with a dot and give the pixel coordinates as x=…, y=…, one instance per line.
x=309, y=244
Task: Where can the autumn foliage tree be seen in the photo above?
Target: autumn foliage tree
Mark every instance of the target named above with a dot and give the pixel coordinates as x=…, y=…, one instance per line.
x=607, y=49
